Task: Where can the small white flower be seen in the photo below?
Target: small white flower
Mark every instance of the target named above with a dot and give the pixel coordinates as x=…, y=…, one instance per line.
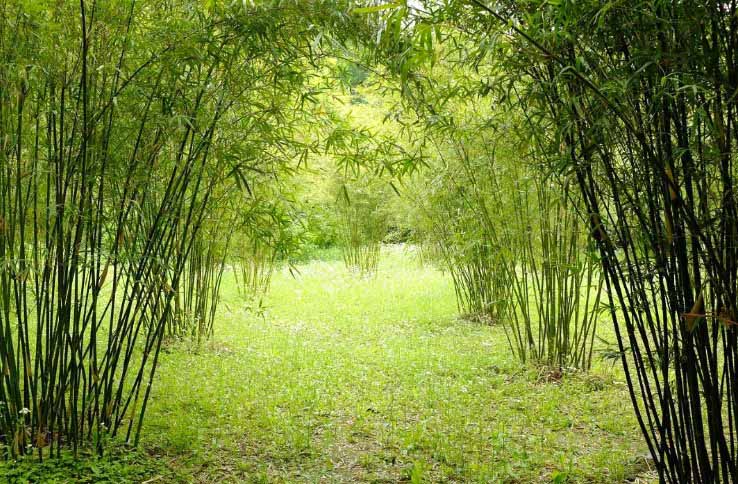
x=24, y=411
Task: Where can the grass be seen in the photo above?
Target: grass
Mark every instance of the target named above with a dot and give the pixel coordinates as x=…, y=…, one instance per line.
x=342, y=378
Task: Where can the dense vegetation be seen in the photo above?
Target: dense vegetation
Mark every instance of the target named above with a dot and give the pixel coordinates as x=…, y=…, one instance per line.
x=172, y=172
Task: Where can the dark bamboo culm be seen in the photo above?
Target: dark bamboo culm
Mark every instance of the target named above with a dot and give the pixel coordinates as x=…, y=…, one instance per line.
x=644, y=105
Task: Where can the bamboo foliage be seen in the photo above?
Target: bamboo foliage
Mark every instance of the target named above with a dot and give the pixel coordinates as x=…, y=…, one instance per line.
x=265, y=235
x=360, y=247
x=470, y=251
x=255, y=267
x=511, y=237
x=262, y=240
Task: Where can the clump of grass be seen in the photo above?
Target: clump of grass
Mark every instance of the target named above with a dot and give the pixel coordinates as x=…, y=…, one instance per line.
x=120, y=464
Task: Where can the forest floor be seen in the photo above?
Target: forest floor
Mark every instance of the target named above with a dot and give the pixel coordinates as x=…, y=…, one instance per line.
x=342, y=378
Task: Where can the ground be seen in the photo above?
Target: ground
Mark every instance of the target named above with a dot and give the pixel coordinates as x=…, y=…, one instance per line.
x=344, y=378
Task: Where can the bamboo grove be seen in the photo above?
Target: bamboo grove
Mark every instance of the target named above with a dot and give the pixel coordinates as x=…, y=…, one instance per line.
x=568, y=163
x=113, y=124
x=635, y=105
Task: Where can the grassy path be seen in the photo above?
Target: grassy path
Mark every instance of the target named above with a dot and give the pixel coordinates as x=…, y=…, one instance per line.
x=345, y=379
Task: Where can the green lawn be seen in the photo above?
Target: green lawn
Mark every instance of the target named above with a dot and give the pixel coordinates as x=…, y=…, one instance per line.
x=350, y=379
